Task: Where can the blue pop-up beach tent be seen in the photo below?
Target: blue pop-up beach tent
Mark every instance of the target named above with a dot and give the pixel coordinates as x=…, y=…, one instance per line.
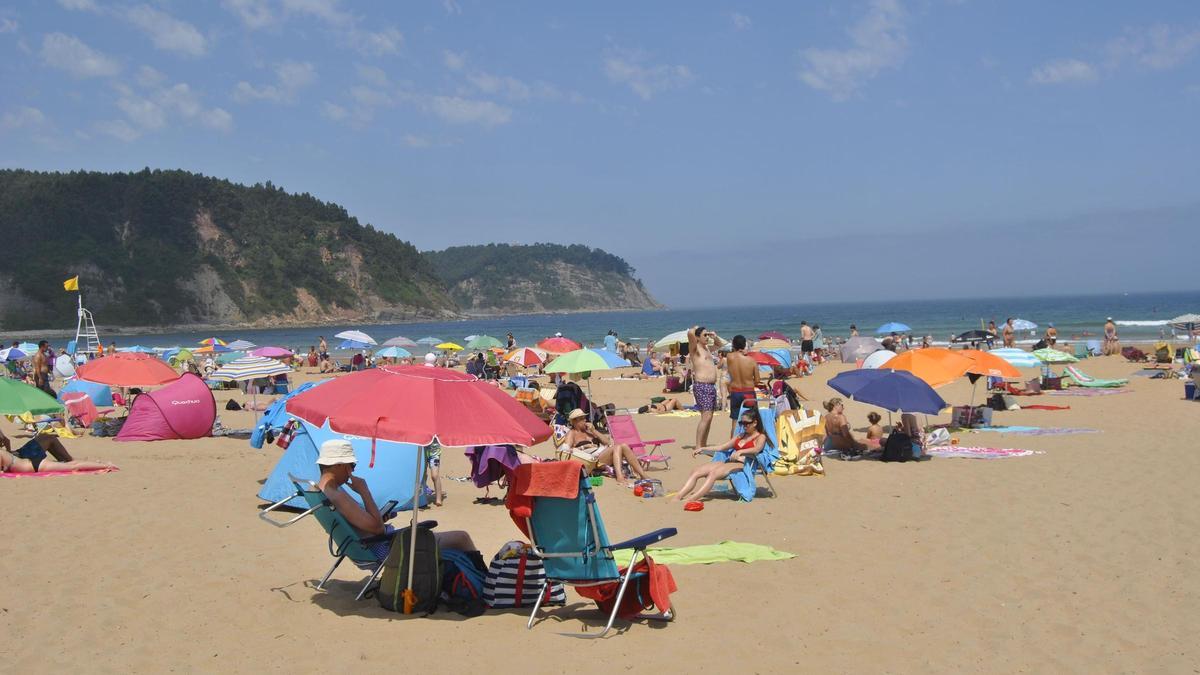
x=275, y=416
x=390, y=478
x=101, y=394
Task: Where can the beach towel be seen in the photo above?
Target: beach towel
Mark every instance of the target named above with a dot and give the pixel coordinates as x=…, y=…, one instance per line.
x=680, y=413
x=707, y=554
x=1045, y=407
x=1086, y=392
x=969, y=452
x=543, y=479
x=491, y=463
x=1036, y=431
x=55, y=474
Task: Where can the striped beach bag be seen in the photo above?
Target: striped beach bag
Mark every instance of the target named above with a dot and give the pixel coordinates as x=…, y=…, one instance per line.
x=514, y=581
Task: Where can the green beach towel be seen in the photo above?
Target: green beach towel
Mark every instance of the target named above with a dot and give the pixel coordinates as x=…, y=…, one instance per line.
x=707, y=554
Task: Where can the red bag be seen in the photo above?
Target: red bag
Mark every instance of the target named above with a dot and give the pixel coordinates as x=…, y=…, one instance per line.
x=652, y=590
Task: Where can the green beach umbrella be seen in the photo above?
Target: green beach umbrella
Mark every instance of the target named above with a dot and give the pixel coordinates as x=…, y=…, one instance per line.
x=16, y=398
x=582, y=361
x=484, y=342
x=1054, y=356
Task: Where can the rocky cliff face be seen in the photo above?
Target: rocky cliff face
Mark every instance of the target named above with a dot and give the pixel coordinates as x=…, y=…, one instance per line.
x=561, y=287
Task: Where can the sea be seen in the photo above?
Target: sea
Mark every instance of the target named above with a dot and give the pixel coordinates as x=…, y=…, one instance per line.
x=1140, y=317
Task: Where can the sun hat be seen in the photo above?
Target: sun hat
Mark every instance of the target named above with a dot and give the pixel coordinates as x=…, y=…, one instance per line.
x=336, y=451
x=575, y=414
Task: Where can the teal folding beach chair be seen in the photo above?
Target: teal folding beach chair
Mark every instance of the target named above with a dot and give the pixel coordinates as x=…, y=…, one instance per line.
x=569, y=536
x=344, y=540
x=744, y=483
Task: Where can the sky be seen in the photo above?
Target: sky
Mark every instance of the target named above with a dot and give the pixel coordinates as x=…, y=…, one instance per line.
x=730, y=151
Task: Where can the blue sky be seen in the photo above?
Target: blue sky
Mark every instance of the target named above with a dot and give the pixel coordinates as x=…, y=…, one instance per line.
x=815, y=150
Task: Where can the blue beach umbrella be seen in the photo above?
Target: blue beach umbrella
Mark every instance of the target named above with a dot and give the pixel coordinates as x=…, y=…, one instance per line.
x=611, y=358
x=429, y=341
x=393, y=353
x=28, y=347
x=101, y=394
x=12, y=354
x=895, y=390
x=136, y=349
x=893, y=327
x=1018, y=357
x=352, y=344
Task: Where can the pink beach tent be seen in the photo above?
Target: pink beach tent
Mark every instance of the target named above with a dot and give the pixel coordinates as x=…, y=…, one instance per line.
x=181, y=410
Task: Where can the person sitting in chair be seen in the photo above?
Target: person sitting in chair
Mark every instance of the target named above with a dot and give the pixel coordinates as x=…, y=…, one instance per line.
x=589, y=445
x=745, y=446
x=337, y=462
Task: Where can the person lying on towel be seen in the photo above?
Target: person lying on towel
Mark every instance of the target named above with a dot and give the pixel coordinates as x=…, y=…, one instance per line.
x=31, y=457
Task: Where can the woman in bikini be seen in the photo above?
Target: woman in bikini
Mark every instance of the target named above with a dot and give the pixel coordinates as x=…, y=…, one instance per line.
x=745, y=446
x=31, y=457
x=584, y=442
x=837, y=429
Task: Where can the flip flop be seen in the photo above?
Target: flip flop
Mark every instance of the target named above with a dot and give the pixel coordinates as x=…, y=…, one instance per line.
x=693, y=506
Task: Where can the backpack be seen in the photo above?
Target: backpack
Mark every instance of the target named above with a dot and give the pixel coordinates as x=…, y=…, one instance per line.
x=898, y=448
x=462, y=582
x=427, y=573
x=233, y=405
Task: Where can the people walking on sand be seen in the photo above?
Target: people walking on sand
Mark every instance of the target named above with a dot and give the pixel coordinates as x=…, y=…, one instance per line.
x=1010, y=335
x=704, y=377
x=1112, y=344
x=743, y=379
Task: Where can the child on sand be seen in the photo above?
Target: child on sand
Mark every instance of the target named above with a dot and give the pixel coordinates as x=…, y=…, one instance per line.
x=875, y=431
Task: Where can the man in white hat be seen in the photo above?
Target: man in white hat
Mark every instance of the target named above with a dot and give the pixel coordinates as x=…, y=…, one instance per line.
x=337, y=462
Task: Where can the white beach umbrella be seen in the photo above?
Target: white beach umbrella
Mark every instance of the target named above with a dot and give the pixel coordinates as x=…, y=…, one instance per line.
x=878, y=359
x=357, y=336
x=1023, y=324
x=241, y=345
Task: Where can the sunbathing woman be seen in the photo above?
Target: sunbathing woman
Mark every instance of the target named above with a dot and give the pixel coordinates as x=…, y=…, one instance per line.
x=586, y=443
x=31, y=457
x=837, y=430
x=745, y=445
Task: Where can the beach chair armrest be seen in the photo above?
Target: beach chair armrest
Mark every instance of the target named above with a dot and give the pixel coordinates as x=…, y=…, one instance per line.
x=646, y=539
x=661, y=441
x=388, y=536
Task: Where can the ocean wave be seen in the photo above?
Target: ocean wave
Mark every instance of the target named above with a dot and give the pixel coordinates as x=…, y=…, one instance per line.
x=1162, y=322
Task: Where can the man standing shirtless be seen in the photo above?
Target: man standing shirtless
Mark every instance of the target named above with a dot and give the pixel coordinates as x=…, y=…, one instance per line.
x=806, y=339
x=743, y=379
x=41, y=367
x=704, y=378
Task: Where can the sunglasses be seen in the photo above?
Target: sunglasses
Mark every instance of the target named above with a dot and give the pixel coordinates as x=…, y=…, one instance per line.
x=352, y=465
x=746, y=420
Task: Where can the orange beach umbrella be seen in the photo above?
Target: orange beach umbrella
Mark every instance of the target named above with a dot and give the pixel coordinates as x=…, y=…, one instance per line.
x=989, y=364
x=935, y=365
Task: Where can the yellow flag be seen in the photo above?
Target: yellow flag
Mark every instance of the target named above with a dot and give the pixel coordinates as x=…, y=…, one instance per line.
x=71, y=284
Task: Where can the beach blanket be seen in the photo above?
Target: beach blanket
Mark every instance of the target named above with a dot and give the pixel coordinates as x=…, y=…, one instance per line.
x=707, y=554
x=1045, y=407
x=968, y=452
x=1086, y=392
x=54, y=474
x=1036, y=431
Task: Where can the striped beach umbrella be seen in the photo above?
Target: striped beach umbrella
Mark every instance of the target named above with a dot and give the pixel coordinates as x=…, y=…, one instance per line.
x=249, y=368
x=241, y=345
x=526, y=357
x=1018, y=357
x=1054, y=356
x=212, y=342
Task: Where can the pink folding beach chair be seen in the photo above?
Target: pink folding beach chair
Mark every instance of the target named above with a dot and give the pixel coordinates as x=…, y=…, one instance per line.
x=623, y=430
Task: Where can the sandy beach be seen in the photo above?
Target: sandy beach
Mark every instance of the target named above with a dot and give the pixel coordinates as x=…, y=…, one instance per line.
x=1084, y=558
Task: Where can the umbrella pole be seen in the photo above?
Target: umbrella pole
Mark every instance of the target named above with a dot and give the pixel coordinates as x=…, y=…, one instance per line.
x=410, y=598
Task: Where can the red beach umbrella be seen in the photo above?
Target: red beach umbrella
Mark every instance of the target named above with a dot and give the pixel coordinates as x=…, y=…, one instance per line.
x=127, y=369
x=418, y=404
x=773, y=334
x=764, y=359
x=559, y=345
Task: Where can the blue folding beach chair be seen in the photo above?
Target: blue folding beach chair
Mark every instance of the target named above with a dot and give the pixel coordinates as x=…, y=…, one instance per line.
x=569, y=535
x=744, y=483
x=367, y=553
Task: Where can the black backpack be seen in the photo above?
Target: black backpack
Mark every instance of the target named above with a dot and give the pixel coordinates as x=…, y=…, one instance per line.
x=427, y=574
x=898, y=448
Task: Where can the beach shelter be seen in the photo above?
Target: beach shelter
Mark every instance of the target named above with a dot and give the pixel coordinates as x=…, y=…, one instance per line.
x=859, y=348
x=448, y=346
x=127, y=370
x=28, y=347
x=390, y=478
x=356, y=336
x=773, y=334
x=585, y=361
x=136, y=349
x=877, y=359
x=184, y=409
x=893, y=327
x=401, y=341
x=772, y=343
x=429, y=340
x=1023, y=324
x=64, y=366
x=559, y=345
x=249, y=368
x=241, y=345
x=525, y=356
x=1186, y=322
x=12, y=354
x=17, y=398
x=275, y=416
x=272, y=352
x=664, y=343
x=987, y=363
x=212, y=349
x=1054, y=356
x=974, y=336
x=101, y=394
x=212, y=342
